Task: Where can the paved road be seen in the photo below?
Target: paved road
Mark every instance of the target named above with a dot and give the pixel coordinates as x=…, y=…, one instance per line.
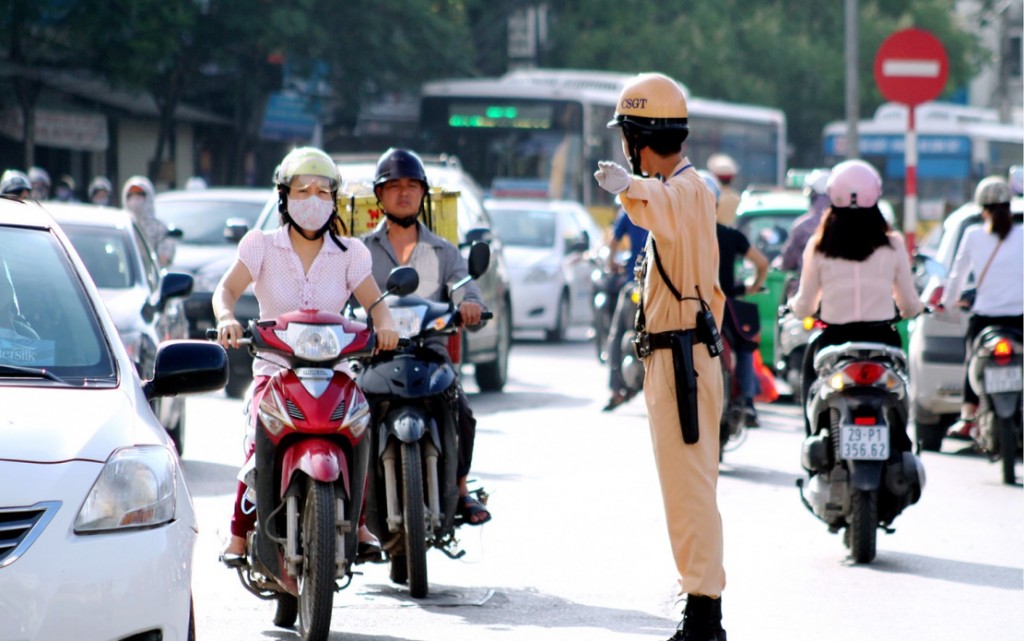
x=577, y=549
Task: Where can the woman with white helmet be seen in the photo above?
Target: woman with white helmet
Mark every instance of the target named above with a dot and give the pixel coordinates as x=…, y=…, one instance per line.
x=295, y=267
x=15, y=184
x=992, y=251
x=854, y=267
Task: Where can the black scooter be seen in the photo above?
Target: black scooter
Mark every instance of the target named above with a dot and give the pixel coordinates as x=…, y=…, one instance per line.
x=995, y=371
x=413, y=492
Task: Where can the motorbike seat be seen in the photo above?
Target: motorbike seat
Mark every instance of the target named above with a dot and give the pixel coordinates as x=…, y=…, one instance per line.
x=828, y=357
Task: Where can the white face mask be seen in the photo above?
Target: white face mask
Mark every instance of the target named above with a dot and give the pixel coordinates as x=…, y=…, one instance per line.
x=310, y=213
x=136, y=204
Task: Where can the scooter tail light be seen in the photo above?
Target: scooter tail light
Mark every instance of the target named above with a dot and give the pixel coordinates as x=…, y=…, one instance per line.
x=864, y=373
x=1002, y=352
x=936, y=296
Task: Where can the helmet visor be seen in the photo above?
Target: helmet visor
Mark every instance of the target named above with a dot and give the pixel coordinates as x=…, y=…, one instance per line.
x=308, y=181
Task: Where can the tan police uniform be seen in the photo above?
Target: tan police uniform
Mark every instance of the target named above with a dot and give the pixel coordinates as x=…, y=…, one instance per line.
x=680, y=214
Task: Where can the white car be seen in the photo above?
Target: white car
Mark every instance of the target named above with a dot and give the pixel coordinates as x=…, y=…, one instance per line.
x=551, y=248
x=96, y=523
x=936, y=349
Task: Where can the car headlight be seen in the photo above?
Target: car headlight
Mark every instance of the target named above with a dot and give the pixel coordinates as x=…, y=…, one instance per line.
x=137, y=488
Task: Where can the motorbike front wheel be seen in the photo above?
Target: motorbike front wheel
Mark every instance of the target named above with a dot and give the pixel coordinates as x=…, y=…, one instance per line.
x=863, y=528
x=414, y=517
x=318, y=543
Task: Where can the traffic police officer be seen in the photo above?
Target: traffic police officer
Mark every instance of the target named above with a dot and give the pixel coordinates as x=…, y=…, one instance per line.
x=680, y=311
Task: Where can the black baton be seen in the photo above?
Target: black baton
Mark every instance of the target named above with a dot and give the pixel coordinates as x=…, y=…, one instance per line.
x=686, y=385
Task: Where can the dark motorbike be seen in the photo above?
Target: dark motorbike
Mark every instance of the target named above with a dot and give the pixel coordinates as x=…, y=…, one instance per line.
x=307, y=474
x=732, y=425
x=995, y=372
x=413, y=392
x=605, y=286
x=791, y=337
x=632, y=367
x=862, y=470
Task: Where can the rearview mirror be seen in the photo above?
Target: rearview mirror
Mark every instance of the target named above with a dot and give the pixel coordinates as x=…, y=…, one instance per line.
x=479, y=259
x=478, y=235
x=174, y=285
x=185, y=367
x=402, y=281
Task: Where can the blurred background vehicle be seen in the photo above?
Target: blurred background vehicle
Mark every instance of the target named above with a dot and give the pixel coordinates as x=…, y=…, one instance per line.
x=936, y=349
x=552, y=248
x=98, y=526
x=145, y=301
x=212, y=222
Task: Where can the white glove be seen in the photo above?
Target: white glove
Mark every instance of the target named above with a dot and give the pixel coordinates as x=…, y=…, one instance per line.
x=612, y=177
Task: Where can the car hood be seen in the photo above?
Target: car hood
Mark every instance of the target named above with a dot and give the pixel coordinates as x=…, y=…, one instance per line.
x=196, y=258
x=125, y=306
x=53, y=424
x=520, y=258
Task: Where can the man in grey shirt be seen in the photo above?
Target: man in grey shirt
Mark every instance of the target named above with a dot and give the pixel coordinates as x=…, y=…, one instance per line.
x=400, y=184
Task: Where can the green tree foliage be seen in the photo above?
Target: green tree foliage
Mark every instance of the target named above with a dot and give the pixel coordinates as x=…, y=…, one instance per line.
x=788, y=54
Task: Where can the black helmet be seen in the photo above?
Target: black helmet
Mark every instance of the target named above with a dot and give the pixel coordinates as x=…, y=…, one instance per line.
x=399, y=163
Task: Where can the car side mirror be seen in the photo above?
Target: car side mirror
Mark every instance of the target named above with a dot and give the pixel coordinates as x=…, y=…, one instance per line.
x=235, y=229
x=479, y=259
x=174, y=285
x=174, y=232
x=187, y=367
x=478, y=235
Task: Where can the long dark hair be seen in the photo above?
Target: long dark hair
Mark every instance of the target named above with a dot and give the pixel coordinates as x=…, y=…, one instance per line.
x=1002, y=221
x=851, y=233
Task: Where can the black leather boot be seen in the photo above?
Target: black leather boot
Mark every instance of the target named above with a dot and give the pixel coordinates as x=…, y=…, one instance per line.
x=702, y=620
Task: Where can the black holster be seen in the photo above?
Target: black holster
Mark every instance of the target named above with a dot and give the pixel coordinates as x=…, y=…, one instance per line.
x=686, y=385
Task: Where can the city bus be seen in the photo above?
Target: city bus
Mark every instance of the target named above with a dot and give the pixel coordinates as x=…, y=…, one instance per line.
x=956, y=145
x=540, y=133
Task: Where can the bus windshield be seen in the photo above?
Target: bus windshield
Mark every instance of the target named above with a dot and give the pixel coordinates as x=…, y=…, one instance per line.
x=524, y=148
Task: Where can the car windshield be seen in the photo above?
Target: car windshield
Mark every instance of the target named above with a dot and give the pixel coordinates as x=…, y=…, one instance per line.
x=524, y=228
x=106, y=255
x=46, y=318
x=767, y=232
x=202, y=221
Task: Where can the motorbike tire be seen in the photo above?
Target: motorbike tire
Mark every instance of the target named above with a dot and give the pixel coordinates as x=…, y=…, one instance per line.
x=794, y=369
x=287, y=611
x=862, y=532
x=414, y=519
x=1007, y=448
x=602, y=327
x=316, y=580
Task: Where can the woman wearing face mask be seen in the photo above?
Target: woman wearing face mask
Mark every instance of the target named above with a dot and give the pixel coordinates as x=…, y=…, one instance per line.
x=302, y=264
x=139, y=196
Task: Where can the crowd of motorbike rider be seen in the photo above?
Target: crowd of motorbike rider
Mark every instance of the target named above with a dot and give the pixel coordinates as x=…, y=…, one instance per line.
x=306, y=264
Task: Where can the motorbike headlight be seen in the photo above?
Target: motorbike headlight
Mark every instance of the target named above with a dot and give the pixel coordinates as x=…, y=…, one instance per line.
x=408, y=320
x=315, y=342
x=137, y=488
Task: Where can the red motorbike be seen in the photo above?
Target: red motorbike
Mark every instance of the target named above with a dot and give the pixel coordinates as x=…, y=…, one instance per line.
x=308, y=472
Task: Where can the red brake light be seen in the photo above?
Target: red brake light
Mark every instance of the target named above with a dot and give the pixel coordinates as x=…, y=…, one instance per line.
x=1002, y=351
x=864, y=373
x=936, y=296
x=864, y=420
x=819, y=324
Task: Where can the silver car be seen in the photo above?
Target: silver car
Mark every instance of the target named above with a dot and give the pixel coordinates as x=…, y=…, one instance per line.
x=936, y=350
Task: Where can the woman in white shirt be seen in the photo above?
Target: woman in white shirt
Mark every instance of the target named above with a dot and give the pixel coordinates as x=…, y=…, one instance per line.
x=992, y=251
x=854, y=267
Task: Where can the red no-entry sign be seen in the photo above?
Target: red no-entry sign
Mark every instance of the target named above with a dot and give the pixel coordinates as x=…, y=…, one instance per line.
x=911, y=67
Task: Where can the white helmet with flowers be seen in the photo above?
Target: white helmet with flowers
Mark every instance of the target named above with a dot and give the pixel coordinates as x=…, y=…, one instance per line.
x=992, y=191
x=307, y=183
x=854, y=184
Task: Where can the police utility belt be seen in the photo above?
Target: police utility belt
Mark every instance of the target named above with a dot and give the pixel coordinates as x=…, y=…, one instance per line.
x=681, y=342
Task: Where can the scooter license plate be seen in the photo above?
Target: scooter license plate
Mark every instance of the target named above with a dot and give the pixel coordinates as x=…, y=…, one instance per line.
x=864, y=442
x=1003, y=379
